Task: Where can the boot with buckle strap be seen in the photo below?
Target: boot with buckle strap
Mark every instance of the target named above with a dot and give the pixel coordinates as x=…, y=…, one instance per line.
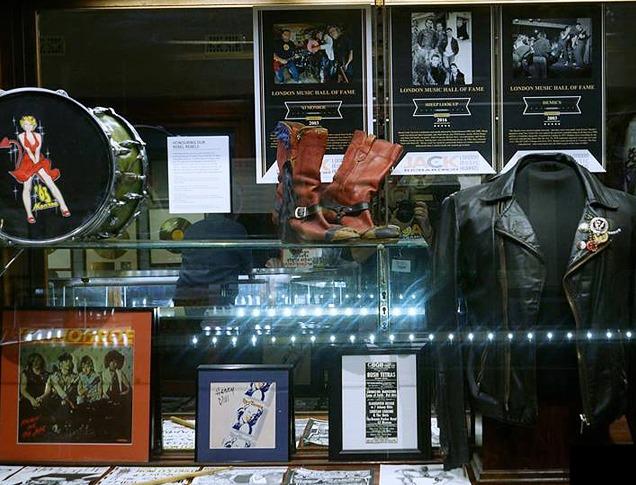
x=300, y=185
x=286, y=134
x=347, y=199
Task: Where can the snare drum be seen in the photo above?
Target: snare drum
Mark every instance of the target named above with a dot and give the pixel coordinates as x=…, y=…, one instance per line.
x=66, y=171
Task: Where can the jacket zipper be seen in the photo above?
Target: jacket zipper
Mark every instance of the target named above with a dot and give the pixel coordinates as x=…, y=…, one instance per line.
x=585, y=417
x=504, y=290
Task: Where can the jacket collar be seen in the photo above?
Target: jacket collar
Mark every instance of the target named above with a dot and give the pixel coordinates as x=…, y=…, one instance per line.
x=502, y=186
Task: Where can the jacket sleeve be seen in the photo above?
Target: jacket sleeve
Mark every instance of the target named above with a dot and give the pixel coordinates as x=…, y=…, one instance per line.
x=443, y=319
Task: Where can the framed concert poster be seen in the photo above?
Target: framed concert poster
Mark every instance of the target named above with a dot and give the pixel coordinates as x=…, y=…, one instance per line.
x=312, y=66
x=379, y=406
x=75, y=385
x=244, y=413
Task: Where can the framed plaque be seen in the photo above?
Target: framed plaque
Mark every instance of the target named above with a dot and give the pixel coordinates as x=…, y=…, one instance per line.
x=379, y=407
x=244, y=413
x=76, y=385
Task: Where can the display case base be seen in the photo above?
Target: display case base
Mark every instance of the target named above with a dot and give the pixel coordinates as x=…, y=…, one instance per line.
x=479, y=476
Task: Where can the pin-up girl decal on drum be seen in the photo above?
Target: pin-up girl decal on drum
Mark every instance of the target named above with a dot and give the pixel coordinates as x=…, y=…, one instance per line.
x=32, y=162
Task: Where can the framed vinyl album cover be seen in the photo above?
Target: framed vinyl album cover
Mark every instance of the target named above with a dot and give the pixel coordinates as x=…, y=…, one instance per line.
x=244, y=413
x=379, y=407
x=75, y=385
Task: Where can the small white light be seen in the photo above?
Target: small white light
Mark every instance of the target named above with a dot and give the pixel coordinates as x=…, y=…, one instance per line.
x=372, y=338
x=271, y=312
x=29, y=337
x=207, y=328
x=609, y=334
x=332, y=338
x=348, y=312
x=358, y=296
x=530, y=335
x=451, y=337
x=240, y=312
x=195, y=340
x=214, y=340
x=569, y=335
x=352, y=338
x=258, y=332
x=411, y=337
x=256, y=312
x=347, y=297
x=49, y=335
x=268, y=327
x=234, y=340
x=58, y=334
x=412, y=297
x=38, y=336
x=273, y=340
x=333, y=311
x=629, y=334
x=491, y=336
x=125, y=339
x=589, y=335
x=391, y=338
x=115, y=341
x=217, y=328
x=550, y=335
x=364, y=311
x=313, y=339
x=293, y=339
x=431, y=337
x=411, y=311
x=471, y=336
x=287, y=312
x=397, y=312
x=303, y=312
x=318, y=312
x=371, y=295
x=510, y=336
x=254, y=340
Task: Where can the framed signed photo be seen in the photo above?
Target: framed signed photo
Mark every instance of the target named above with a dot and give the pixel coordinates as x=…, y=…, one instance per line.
x=379, y=406
x=244, y=413
x=75, y=385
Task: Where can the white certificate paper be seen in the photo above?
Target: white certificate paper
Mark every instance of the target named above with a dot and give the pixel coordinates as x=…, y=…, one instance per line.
x=199, y=174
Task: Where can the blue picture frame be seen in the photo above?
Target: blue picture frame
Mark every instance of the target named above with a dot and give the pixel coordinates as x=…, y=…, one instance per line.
x=208, y=376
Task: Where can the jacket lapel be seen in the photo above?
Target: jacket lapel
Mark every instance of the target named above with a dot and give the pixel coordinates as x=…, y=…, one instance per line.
x=514, y=224
x=580, y=255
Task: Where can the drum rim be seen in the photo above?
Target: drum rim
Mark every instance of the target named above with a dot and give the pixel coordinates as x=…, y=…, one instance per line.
x=145, y=171
x=101, y=214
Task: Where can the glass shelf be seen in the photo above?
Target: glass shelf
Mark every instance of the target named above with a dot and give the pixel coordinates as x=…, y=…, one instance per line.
x=221, y=244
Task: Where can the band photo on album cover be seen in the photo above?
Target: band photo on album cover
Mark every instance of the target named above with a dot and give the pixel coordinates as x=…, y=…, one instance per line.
x=313, y=53
x=441, y=48
x=75, y=393
x=552, y=48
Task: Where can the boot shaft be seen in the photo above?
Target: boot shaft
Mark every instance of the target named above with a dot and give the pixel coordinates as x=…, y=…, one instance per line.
x=366, y=163
x=312, y=144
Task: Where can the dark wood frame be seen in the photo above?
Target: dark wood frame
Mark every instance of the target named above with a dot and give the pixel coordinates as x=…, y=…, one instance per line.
x=423, y=450
x=291, y=442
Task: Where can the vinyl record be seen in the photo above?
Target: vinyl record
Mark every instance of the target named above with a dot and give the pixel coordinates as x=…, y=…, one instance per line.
x=173, y=229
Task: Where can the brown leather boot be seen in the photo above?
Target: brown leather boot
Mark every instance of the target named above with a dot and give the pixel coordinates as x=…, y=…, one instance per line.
x=347, y=199
x=300, y=184
x=286, y=133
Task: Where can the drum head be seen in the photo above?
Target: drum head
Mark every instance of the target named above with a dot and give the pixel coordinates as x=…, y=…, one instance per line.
x=74, y=171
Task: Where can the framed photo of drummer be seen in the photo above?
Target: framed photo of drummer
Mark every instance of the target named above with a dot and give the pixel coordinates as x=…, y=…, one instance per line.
x=76, y=385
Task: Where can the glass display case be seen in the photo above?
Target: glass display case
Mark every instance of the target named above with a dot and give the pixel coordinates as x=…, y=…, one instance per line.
x=198, y=189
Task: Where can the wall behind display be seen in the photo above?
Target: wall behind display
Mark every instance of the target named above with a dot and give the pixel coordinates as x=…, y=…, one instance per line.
x=146, y=53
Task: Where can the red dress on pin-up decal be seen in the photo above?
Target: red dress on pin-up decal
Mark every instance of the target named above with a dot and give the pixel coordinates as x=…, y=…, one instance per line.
x=27, y=169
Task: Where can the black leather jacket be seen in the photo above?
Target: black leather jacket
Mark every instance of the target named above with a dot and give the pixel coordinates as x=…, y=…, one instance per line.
x=485, y=248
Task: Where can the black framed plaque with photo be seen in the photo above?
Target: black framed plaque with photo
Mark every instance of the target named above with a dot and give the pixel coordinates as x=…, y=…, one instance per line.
x=311, y=66
x=441, y=89
x=379, y=405
x=552, y=82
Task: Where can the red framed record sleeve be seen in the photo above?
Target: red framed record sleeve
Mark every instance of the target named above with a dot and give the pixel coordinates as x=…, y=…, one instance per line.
x=75, y=385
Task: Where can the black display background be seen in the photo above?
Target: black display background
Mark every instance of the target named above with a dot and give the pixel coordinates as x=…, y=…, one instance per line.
x=353, y=108
x=591, y=103
x=78, y=148
x=481, y=102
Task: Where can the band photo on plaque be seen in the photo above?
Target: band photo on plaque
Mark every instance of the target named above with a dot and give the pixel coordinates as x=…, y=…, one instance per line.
x=441, y=48
x=313, y=53
x=552, y=48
